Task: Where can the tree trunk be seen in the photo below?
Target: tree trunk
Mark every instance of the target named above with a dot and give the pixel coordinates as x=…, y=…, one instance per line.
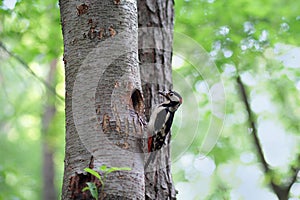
x=155, y=54
x=48, y=172
x=104, y=103
x=103, y=98
x=49, y=191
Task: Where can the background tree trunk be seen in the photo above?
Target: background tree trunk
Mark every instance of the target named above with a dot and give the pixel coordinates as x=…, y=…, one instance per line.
x=48, y=172
x=102, y=97
x=156, y=23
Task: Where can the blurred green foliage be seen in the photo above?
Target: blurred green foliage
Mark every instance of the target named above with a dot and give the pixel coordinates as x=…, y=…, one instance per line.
x=31, y=30
x=259, y=40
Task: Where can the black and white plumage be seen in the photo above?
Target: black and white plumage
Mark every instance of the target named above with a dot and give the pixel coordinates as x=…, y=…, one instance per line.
x=160, y=122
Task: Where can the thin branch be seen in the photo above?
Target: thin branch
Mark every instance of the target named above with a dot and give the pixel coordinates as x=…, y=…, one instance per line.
x=282, y=191
x=253, y=126
x=25, y=65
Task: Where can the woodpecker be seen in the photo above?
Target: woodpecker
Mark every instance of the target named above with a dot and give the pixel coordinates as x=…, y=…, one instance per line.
x=160, y=122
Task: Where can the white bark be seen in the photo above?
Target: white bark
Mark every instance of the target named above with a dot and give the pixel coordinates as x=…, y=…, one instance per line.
x=100, y=39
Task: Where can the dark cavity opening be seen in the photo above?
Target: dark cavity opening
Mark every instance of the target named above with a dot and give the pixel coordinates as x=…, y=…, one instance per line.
x=137, y=101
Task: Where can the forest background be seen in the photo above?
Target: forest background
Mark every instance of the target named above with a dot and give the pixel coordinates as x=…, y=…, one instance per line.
x=255, y=46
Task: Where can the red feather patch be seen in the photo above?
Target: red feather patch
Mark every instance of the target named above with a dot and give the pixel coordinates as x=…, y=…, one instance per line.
x=149, y=143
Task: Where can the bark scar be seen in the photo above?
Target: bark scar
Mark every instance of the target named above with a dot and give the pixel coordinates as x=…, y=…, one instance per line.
x=117, y=2
x=112, y=31
x=106, y=123
x=82, y=9
x=78, y=182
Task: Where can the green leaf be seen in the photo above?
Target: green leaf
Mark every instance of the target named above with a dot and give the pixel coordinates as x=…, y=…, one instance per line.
x=93, y=172
x=103, y=168
x=93, y=189
x=113, y=169
x=85, y=189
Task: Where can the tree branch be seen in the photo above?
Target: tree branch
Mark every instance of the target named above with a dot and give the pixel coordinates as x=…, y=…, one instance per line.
x=253, y=126
x=295, y=171
x=26, y=66
x=282, y=191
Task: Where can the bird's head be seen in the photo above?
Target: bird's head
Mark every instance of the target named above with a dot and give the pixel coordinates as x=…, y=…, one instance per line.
x=173, y=97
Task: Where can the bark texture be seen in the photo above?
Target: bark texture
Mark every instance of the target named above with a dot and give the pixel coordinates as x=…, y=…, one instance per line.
x=156, y=19
x=103, y=97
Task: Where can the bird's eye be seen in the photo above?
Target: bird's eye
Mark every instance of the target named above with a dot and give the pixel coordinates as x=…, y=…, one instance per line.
x=171, y=93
